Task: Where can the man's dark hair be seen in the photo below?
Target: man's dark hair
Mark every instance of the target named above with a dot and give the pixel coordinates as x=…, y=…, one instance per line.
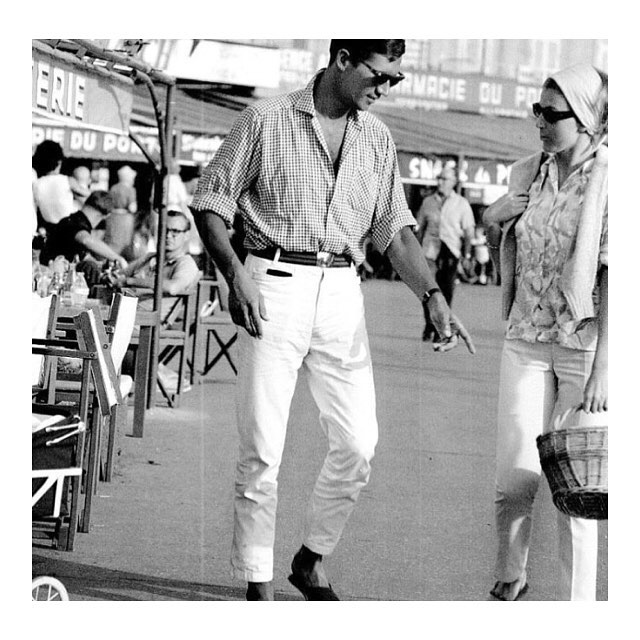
x=361, y=49
x=100, y=200
x=46, y=157
x=178, y=214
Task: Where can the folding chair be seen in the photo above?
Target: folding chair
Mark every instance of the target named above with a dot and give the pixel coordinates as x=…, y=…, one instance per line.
x=119, y=328
x=174, y=340
x=44, y=316
x=212, y=319
x=61, y=529
x=56, y=467
x=100, y=398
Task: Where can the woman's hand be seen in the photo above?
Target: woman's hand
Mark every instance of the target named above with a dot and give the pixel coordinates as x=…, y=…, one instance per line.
x=509, y=206
x=595, y=396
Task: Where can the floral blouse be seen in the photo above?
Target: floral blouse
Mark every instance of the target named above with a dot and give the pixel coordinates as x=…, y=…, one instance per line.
x=545, y=235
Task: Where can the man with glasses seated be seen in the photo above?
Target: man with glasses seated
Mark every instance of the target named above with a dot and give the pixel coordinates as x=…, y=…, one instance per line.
x=181, y=272
x=313, y=174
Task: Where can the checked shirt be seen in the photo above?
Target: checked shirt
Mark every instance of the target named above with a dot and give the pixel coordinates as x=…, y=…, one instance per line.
x=275, y=167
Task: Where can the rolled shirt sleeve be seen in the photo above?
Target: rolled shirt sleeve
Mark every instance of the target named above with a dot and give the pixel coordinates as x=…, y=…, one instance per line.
x=391, y=212
x=231, y=171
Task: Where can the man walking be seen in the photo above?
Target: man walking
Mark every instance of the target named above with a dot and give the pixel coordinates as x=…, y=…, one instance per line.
x=445, y=223
x=312, y=173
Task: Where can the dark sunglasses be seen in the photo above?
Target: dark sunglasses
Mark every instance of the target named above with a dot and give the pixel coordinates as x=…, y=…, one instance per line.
x=380, y=78
x=175, y=232
x=549, y=114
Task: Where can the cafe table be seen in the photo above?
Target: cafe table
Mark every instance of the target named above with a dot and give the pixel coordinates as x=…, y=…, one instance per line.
x=145, y=322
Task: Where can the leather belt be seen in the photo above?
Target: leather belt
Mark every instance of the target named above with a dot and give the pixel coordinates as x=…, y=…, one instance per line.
x=319, y=259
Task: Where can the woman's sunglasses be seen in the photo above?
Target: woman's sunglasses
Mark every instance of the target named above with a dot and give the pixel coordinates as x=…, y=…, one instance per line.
x=549, y=114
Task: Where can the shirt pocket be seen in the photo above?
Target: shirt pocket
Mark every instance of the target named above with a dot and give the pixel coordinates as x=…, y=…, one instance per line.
x=364, y=191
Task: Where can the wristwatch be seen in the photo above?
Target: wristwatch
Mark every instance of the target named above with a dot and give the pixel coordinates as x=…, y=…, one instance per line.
x=428, y=294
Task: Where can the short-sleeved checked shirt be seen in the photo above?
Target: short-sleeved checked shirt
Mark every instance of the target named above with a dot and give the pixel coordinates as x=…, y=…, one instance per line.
x=275, y=167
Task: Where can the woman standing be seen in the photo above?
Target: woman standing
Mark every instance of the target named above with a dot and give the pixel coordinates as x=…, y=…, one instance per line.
x=554, y=274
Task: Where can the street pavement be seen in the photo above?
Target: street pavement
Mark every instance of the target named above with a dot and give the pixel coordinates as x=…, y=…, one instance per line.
x=422, y=529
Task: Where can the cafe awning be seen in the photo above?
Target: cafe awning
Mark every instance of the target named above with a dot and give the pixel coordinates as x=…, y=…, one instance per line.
x=451, y=133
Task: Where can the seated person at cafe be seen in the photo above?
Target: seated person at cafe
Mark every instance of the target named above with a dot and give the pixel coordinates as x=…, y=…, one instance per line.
x=73, y=235
x=180, y=273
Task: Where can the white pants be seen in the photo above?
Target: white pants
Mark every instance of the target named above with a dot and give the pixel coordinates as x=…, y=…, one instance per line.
x=539, y=385
x=316, y=321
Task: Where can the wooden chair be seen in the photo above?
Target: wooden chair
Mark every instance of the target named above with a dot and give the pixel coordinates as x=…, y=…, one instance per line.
x=212, y=320
x=174, y=341
x=118, y=328
x=92, y=402
x=56, y=468
x=44, y=316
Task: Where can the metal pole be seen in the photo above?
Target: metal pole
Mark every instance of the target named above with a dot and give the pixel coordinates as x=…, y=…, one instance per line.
x=166, y=156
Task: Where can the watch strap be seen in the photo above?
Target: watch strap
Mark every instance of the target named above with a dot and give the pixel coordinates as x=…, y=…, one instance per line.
x=429, y=293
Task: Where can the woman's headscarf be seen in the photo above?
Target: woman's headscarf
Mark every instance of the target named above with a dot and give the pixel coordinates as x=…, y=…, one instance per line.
x=582, y=85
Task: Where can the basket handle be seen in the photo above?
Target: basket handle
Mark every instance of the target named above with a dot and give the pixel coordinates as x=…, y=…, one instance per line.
x=560, y=421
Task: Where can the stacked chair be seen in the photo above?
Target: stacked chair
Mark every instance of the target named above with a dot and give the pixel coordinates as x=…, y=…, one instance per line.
x=77, y=405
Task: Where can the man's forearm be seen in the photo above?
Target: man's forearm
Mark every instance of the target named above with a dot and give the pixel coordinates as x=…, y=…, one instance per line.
x=405, y=254
x=215, y=237
x=100, y=249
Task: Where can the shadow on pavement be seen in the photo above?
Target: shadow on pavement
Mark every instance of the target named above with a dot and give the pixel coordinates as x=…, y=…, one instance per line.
x=86, y=582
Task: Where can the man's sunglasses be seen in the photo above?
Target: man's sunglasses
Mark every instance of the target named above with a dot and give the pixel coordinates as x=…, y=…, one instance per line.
x=175, y=232
x=549, y=114
x=380, y=78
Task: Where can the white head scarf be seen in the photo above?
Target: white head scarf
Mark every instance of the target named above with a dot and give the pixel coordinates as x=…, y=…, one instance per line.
x=581, y=85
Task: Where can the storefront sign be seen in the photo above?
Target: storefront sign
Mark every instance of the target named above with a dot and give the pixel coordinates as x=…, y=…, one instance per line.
x=473, y=172
x=482, y=180
x=194, y=149
x=99, y=145
x=473, y=93
x=76, y=94
x=427, y=89
x=198, y=149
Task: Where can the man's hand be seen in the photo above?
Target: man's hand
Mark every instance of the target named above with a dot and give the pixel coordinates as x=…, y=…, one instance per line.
x=457, y=329
x=447, y=325
x=246, y=304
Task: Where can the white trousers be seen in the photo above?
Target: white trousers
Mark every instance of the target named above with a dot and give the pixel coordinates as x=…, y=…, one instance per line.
x=316, y=321
x=539, y=385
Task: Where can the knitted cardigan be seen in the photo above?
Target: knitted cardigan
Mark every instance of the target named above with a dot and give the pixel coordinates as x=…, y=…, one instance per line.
x=578, y=278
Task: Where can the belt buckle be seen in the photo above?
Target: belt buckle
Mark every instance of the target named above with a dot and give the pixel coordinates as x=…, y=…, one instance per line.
x=324, y=258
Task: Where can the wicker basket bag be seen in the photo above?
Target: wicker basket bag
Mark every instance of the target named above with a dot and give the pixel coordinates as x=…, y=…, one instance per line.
x=575, y=462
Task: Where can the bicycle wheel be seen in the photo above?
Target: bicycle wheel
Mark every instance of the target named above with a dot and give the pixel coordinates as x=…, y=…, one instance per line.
x=46, y=588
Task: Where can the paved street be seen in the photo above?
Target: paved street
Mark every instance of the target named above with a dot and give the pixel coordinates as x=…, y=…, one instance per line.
x=422, y=530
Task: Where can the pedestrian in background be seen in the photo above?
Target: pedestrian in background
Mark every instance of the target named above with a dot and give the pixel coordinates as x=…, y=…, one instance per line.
x=445, y=229
x=312, y=173
x=51, y=191
x=554, y=368
x=80, y=182
x=121, y=223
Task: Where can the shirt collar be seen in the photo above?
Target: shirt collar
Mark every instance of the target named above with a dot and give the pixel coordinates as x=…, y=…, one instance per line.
x=306, y=104
x=583, y=169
